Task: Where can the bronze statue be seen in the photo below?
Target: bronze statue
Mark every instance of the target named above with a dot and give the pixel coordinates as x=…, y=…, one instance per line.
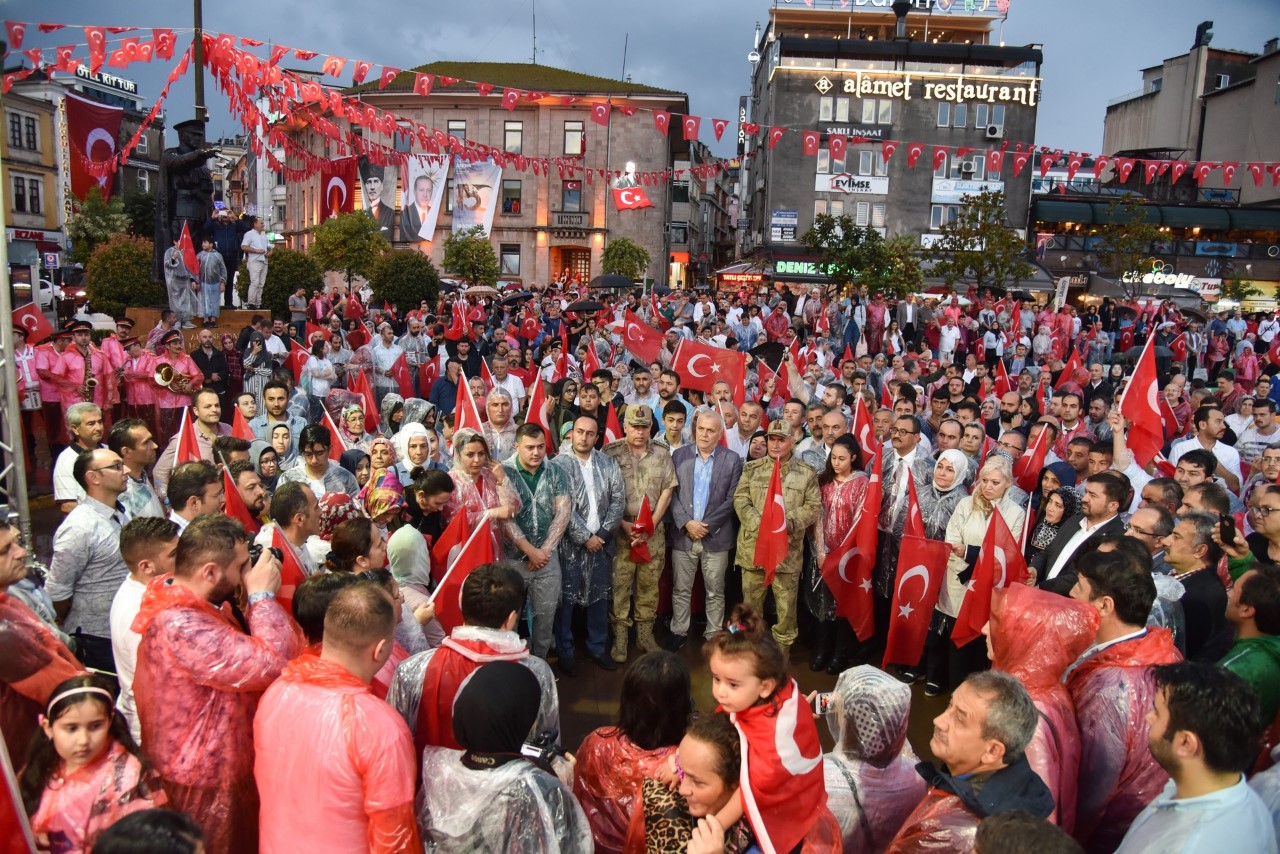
x=184, y=193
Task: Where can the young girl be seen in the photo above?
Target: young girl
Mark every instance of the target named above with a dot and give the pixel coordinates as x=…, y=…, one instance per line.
x=783, y=793
x=84, y=772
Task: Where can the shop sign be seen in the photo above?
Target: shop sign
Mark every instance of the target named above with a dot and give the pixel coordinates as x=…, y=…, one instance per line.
x=108, y=80
x=741, y=278
x=856, y=131
x=1161, y=274
x=975, y=8
x=949, y=191
x=34, y=234
x=796, y=268
x=955, y=88
x=783, y=226
x=843, y=182
x=1210, y=289
x=1224, y=250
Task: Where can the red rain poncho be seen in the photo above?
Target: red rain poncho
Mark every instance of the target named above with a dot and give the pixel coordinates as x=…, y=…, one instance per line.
x=198, y=681
x=607, y=779
x=1112, y=691
x=33, y=664
x=334, y=765
x=450, y=667
x=1035, y=636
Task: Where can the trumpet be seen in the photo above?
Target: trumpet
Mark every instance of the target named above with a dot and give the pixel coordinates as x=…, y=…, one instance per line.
x=178, y=383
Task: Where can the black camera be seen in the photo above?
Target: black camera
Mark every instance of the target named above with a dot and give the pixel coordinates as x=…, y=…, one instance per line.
x=255, y=552
x=542, y=748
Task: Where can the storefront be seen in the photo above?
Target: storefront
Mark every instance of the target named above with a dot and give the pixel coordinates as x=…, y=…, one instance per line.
x=34, y=254
x=737, y=277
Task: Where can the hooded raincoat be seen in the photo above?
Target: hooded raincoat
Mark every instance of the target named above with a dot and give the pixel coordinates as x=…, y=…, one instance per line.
x=871, y=778
x=1112, y=690
x=334, y=765
x=1035, y=635
x=197, y=683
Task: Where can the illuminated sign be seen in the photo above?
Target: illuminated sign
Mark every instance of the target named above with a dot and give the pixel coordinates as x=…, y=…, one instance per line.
x=957, y=88
x=796, y=268
x=1163, y=276
x=108, y=80
x=976, y=8
x=783, y=226
x=741, y=278
x=843, y=182
x=856, y=131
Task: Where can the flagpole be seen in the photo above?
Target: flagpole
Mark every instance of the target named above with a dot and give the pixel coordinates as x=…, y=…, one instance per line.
x=454, y=563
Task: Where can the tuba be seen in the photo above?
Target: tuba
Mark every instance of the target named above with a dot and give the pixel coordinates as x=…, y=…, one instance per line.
x=177, y=383
x=90, y=381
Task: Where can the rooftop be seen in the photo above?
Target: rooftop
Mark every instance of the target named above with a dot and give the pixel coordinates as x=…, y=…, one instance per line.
x=516, y=75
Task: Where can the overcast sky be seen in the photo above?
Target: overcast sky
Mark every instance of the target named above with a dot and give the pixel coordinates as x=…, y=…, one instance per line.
x=1093, y=49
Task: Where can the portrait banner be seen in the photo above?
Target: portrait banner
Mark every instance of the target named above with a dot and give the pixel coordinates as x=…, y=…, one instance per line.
x=476, y=187
x=424, y=179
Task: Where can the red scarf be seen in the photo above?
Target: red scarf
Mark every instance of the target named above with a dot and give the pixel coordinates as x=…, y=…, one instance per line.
x=447, y=671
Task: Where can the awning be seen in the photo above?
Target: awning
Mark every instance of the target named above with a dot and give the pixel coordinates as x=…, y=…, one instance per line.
x=1176, y=216
x=1100, y=286
x=740, y=267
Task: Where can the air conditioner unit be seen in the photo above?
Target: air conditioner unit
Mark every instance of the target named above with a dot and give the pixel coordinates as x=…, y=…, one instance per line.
x=967, y=169
x=995, y=131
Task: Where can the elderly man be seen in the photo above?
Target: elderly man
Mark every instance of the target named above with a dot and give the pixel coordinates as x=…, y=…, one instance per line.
x=980, y=740
x=588, y=547
x=87, y=568
x=1191, y=551
x=832, y=426
x=500, y=429
x=84, y=425
x=802, y=501
x=648, y=478
x=504, y=379
x=707, y=474
x=904, y=459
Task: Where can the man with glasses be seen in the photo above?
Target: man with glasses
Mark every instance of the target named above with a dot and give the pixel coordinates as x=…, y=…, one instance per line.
x=87, y=567
x=907, y=460
x=1150, y=526
x=317, y=471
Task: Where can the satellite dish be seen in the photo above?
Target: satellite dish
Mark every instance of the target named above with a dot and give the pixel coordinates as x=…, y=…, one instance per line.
x=753, y=57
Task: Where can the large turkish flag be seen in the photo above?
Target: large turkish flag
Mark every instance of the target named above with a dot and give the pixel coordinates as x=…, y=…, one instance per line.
x=338, y=179
x=32, y=319
x=701, y=366
x=630, y=198
x=92, y=133
x=640, y=338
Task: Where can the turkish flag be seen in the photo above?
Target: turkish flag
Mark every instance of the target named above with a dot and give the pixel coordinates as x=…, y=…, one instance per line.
x=1026, y=471
x=388, y=74
x=96, y=37
x=338, y=180
x=701, y=366
x=864, y=431
x=885, y=399
x=645, y=527
x=32, y=319
x=452, y=536
x=909, y=615
x=1124, y=167
x=837, y=145
x=337, y=444
x=1020, y=159
x=630, y=198
x=428, y=373
x=16, y=31
x=360, y=385
x=537, y=410
x=851, y=586
x=939, y=156
x=296, y=360
x=718, y=125
x=914, y=150
x=1000, y=563
x=600, y=114
x=640, y=338
x=187, y=449
x=1229, y=168
x=422, y=84
x=771, y=540
x=400, y=373
x=291, y=574
x=913, y=525
x=775, y=134
x=1172, y=426
x=1179, y=347
x=1004, y=385
x=236, y=508
x=691, y=125
x=360, y=71
x=809, y=143
x=313, y=331
x=1068, y=370
x=591, y=362
x=240, y=427
x=661, y=120
x=465, y=414
x=995, y=161
x=612, y=428
x=656, y=317
x=1140, y=403
x=92, y=132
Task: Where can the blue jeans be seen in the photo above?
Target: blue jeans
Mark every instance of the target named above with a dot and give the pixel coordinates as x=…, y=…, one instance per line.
x=210, y=299
x=597, y=628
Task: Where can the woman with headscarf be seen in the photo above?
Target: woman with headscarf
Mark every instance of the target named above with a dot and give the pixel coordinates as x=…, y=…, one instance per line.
x=843, y=486
x=944, y=493
x=416, y=411
x=490, y=797
x=282, y=440
x=382, y=457
x=334, y=509
x=383, y=501
x=1052, y=477
x=351, y=427
x=413, y=450
x=872, y=784
x=1062, y=504
x=408, y=553
x=480, y=484
x=1247, y=367
x=392, y=414
x=563, y=411
x=257, y=368
x=235, y=367
x=356, y=461
x=1041, y=344
x=266, y=462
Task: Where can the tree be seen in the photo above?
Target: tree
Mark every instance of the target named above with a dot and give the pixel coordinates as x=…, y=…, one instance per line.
x=852, y=253
x=288, y=270
x=978, y=247
x=95, y=221
x=118, y=276
x=625, y=257
x=350, y=243
x=140, y=208
x=1237, y=289
x=1123, y=240
x=405, y=277
x=470, y=255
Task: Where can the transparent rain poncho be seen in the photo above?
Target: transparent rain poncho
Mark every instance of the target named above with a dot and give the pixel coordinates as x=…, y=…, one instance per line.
x=1166, y=610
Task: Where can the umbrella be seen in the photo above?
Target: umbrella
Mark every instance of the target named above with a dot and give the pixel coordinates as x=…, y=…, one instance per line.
x=587, y=305
x=611, y=282
x=480, y=291
x=517, y=297
x=1193, y=314
x=769, y=352
x=1132, y=354
x=945, y=299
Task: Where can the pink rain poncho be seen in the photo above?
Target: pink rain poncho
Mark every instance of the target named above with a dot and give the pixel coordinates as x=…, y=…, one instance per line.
x=33, y=664
x=1113, y=690
x=1035, y=636
x=607, y=780
x=198, y=681
x=334, y=765
x=872, y=783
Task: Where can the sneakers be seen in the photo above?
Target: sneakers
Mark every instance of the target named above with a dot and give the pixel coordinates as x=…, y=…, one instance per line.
x=908, y=676
x=932, y=689
x=188, y=325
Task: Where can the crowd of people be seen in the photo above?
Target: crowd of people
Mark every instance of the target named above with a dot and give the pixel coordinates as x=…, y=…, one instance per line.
x=245, y=651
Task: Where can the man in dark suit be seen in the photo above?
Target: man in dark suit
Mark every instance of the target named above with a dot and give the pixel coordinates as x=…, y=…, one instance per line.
x=1098, y=386
x=705, y=526
x=1104, y=494
x=372, y=175
x=417, y=209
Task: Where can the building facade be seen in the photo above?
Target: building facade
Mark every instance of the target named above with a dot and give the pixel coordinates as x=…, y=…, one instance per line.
x=33, y=222
x=860, y=74
x=546, y=224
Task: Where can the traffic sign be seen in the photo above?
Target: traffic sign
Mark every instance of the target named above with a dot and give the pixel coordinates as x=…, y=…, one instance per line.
x=51, y=261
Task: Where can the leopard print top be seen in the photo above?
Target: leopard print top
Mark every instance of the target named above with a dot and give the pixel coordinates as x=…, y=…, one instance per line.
x=668, y=825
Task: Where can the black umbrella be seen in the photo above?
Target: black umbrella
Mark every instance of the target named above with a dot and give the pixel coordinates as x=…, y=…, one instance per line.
x=587, y=305
x=1132, y=354
x=517, y=297
x=611, y=282
x=770, y=353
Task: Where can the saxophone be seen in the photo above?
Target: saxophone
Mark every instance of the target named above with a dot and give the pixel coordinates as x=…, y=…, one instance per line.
x=90, y=381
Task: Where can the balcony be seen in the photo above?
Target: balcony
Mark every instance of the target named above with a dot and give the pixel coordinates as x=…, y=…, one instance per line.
x=570, y=219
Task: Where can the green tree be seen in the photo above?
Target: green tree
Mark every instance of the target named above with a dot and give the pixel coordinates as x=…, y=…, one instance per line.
x=288, y=270
x=625, y=257
x=852, y=253
x=140, y=208
x=1237, y=289
x=405, y=277
x=979, y=247
x=95, y=221
x=118, y=275
x=349, y=243
x=469, y=255
x=1122, y=240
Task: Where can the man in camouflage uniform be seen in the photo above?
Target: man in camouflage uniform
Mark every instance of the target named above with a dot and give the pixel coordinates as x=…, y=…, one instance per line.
x=803, y=503
x=647, y=470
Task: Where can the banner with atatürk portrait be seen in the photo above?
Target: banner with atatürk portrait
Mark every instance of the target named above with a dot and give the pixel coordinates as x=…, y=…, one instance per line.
x=476, y=193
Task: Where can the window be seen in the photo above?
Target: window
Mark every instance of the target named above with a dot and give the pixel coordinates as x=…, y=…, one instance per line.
x=826, y=109
x=884, y=115
x=941, y=171
x=1157, y=84
x=957, y=168
x=280, y=178
x=980, y=115
x=837, y=208
x=144, y=182
x=680, y=192
x=573, y=142
x=279, y=213
x=402, y=139
x=29, y=129
x=513, y=137
x=448, y=195
x=1223, y=81
x=23, y=132
x=457, y=128
x=882, y=165
x=824, y=161
x=944, y=114
x=510, y=256
x=571, y=196
x=868, y=111
x=842, y=109
x=997, y=115
x=19, y=195
x=679, y=232
x=862, y=217
x=866, y=159
x=979, y=163
x=511, y=196
x=142, y=144
x=877, y=215
x=15, y=130
x=819, y=208
x=960, y=115
x=33, y=195
x=942, y=214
